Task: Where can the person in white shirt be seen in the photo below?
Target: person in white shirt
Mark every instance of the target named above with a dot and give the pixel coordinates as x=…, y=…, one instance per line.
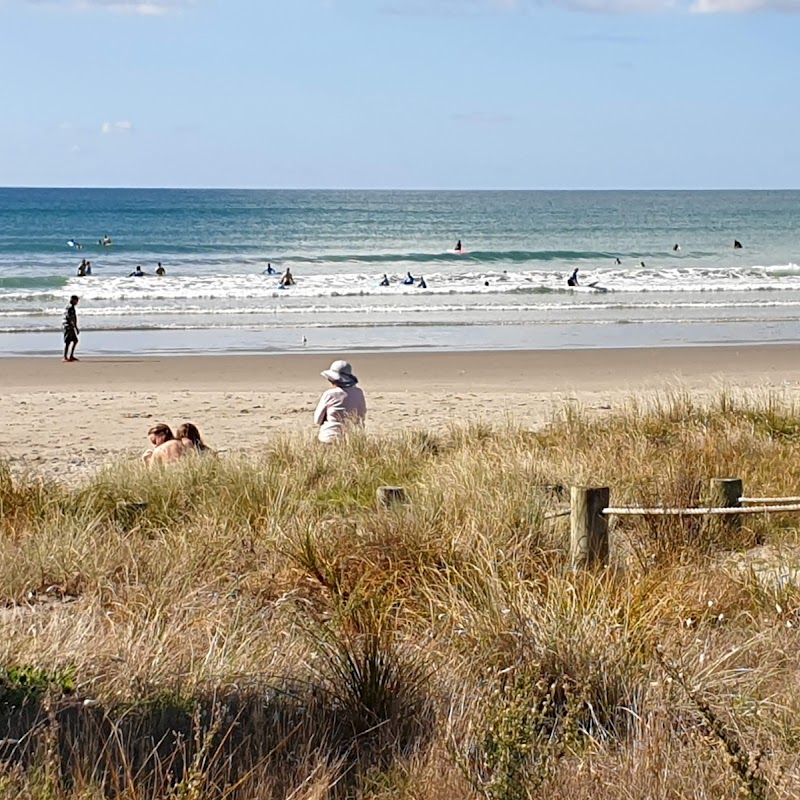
x=343, y=403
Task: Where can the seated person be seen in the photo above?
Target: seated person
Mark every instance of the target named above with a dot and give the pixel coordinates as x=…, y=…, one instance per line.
x=344, y=402
x=408, y=280
x=166, y=448
x=190, y=436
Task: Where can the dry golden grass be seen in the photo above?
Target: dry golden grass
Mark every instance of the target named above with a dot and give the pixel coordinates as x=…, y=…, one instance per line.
x=259, y=629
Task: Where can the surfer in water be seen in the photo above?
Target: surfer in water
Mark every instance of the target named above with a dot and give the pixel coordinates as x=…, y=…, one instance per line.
x=105, y=241
x=270, y=271
x=573, y=279
x=737, y=245
x=160, y=270
x=676, y=248
x=617, y=261
x=287, y=279
x=137, y=273
x=82, y=268
x=457, y=248
x=408, y=280
x=385, y=281
x=422, y=284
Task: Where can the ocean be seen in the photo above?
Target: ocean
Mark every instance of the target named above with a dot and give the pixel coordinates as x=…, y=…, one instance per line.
x=507, y=289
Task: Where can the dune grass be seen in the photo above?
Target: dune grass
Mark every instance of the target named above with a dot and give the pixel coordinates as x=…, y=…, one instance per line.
x=258, y=628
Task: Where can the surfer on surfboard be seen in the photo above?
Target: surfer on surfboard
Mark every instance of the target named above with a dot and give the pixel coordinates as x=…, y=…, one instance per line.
x=457, y=248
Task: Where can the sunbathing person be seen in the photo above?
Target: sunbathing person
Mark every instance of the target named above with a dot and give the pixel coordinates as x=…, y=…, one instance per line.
x=166, y=448
x=190, y=436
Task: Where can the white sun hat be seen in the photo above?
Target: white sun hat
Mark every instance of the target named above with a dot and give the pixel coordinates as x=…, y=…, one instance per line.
x=340, y=372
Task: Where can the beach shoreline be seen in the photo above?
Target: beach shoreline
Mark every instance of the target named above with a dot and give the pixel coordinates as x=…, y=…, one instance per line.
x=67, y=420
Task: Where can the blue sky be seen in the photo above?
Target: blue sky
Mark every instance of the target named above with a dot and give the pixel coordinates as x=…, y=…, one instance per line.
x=528, y=94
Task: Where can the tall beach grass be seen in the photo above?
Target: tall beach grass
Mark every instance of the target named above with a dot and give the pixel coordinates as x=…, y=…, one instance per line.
x=258, y=627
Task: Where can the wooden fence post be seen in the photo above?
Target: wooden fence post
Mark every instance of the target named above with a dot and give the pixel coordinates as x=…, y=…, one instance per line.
x=725, y=493
x=588, y=526
x=388, y=496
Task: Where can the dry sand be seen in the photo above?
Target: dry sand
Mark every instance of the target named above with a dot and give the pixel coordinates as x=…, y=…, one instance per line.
x=68, y=419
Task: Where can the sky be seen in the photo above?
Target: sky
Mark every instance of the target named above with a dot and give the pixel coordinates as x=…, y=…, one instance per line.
x=401, y=94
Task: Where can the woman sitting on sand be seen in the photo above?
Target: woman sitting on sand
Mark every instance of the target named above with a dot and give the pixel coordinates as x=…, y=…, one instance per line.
x=166, y=448
x=343, y=402
x=190, y=436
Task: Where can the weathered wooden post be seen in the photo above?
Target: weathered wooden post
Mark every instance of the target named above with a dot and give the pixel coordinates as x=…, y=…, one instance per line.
x=725, y=493
x=588, y=526
x=390, y=495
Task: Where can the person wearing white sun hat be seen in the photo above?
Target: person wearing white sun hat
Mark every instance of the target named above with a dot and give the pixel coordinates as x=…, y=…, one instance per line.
x=343, y=403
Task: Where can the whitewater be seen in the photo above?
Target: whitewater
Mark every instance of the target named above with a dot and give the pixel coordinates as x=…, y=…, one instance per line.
x=507, y=291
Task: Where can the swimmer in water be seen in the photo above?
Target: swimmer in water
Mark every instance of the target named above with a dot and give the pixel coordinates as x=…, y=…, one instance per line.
x=287, y=279
x=160, y=270
x=137, y=273
x=573, y=279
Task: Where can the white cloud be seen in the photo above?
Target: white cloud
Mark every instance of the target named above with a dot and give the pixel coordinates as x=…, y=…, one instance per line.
x=744, y=6
x=147, y=8
x=459, y=7
x=111, y=128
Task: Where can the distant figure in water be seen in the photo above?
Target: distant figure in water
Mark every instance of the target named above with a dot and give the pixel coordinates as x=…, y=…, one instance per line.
x=617, y=261
x=457, y=248
x=137, y=273
x=675, y=248
x=737, y=245
x=88, y=267
x=160, y=270
x=422, y=284
x=573, y=279
x=385, y=281
x=270, y=271
x=408, y=280
x=287, y=279
x=641, y=263
x=82, y=268
x=105, y=241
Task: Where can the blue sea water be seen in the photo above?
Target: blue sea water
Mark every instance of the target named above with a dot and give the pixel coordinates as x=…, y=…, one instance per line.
x=507, y=289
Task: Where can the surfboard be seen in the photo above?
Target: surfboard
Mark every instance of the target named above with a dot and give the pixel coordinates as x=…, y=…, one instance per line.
x=458, y=252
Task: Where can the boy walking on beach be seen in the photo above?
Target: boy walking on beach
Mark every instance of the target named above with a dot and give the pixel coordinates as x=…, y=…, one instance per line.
x=70, y=328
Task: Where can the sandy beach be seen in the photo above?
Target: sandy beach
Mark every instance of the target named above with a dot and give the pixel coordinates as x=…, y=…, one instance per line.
x=66, y=420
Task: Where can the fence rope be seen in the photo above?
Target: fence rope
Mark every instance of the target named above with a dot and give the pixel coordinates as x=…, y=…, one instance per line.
x=778, y=500
x=698, y=512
